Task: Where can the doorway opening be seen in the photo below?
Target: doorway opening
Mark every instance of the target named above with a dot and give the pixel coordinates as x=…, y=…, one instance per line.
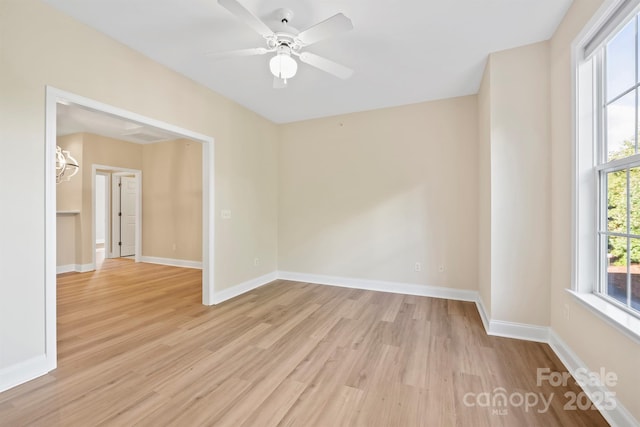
x=101, y=209
x=117, y=204
x=56, y=98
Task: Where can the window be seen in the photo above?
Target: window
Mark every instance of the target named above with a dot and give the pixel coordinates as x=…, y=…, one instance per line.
x=606, y=197
x=618, y=168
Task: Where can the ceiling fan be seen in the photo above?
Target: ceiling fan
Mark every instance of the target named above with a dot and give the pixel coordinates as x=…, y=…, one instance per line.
x=287, y=42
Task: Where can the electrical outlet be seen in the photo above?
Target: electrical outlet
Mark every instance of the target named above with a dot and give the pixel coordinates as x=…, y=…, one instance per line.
x=225, y=213
x=418, y=266
x=174, y=247
x=256, y=262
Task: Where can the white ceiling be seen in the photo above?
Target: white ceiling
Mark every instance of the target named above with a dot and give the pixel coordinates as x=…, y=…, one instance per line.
x=402, y=52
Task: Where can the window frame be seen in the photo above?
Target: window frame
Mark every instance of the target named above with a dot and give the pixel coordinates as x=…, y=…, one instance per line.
x=588, y=115
x=604, y=166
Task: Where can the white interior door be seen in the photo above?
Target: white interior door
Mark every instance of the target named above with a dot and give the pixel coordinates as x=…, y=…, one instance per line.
x=128, y=197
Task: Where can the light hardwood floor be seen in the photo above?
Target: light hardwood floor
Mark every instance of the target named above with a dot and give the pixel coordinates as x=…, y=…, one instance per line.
x=136, y=347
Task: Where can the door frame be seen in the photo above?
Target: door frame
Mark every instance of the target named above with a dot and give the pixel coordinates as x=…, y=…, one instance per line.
x=111, y=172
x=53, y=96
x=107, y=209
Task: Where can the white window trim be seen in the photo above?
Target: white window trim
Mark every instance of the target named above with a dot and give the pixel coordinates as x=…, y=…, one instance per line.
x=585, y=209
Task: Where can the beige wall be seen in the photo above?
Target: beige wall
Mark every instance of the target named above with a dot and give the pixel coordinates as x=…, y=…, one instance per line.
x=519, y=147
x=591, y=338
x=172, y=200
x=66, y=231
x=368, y=195
x=69, y=199
x=484, y=189
x=525, y=121
x=171, y=196
x=41, y=47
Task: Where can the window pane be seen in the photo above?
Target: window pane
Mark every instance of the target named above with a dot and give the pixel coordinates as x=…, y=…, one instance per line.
x=621, y=127
x=617, y=201
x=634, y=187
x=621, y=61
x=635, y=292
x=617, y=268
x=635, y=273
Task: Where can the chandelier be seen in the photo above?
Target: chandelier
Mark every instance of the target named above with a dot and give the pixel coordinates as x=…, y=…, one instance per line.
x=66, y=165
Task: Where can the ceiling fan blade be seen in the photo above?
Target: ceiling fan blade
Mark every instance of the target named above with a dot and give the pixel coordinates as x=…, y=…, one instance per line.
x=237, y=53
x=247, y=17
x=326, y=65
x=279, y=83
x=337, y=24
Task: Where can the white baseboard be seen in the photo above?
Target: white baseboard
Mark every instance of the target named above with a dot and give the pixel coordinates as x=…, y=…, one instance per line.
x=83, y=268
x=520, y=331
x=77, y=268
x=382, y=286
x=244, y=287
x=619, y=415
x=65, y=268
x=22, y=372
x=493, y=327
x=172, y=262
x=483, y=313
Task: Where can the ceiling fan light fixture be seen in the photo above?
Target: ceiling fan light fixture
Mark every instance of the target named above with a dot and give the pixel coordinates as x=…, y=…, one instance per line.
x=283, y=65
x=288, y=42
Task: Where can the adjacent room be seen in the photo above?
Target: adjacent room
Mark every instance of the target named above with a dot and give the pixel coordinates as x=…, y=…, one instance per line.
x=257, y=212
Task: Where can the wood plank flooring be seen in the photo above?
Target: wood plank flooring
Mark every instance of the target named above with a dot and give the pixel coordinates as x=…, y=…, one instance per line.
x=136, y=347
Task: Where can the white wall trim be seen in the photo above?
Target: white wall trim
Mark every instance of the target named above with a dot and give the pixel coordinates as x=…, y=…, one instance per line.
x=493, y=327
x=483, y=313
x=83, y=268
x=521, y=331
x=22, y=372
x=77, y=268
x=172, y=262
x=52, y=97
x=244, y=287
x=382, y=286
x=619, y=416
x=65, y=268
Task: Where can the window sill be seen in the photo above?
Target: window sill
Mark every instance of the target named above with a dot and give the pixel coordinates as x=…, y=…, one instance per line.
x=620, y=319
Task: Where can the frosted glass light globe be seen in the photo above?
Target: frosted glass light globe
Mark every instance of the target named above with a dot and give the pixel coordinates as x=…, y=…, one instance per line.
x=283, y=66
